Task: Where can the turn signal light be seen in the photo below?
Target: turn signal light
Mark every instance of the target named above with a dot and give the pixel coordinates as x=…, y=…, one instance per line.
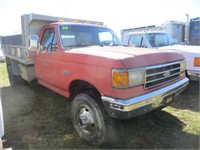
x=61, y=21
x=120, y=79
x=75, y=21
x=30, y=56
x=197, y=61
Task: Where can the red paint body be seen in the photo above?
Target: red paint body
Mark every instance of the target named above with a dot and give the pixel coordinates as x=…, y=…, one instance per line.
x=57, y=69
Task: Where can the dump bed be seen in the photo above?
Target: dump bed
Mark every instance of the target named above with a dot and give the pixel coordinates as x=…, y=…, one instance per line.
x=13, y=49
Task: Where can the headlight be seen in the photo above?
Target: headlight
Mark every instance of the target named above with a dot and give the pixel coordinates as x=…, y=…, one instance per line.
x=182, y=66
x=137, y=77
x=127, y=78
x=197, y=61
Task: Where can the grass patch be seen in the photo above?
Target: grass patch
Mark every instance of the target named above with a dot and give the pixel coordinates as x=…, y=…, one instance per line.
x=186, y=108
x=3, y=75
x=37, y=118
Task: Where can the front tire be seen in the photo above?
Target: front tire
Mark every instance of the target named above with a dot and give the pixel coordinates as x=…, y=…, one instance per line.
x=90, y=119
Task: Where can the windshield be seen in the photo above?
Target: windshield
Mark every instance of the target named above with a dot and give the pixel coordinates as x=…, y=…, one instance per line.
x=159, y=39
x=82, y=35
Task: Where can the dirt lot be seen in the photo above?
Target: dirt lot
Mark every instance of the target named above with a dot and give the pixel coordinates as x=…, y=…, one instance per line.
x=37, y=118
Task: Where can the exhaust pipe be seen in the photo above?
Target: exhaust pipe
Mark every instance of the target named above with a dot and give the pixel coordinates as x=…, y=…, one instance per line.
x=187, y=30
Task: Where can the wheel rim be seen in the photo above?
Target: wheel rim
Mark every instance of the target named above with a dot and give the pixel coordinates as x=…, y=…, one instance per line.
x=86, y=120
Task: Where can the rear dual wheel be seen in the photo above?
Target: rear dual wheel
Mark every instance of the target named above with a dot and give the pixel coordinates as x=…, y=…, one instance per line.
x=14, y=80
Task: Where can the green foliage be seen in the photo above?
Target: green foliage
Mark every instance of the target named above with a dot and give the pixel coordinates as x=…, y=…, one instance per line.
x=3, y=75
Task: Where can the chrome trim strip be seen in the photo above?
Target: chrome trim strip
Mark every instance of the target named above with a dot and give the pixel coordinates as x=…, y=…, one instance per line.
x=154, y=98
x=164, y=65
x=149, y=75
x=162, y=78
x=161, y=83
x=160, y=73
x=193, y=73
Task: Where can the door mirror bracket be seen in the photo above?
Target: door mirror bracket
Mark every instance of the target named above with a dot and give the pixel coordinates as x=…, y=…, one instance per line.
x=34, y=43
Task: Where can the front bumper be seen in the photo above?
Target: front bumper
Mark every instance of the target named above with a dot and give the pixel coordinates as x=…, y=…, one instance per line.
x=125, y=109
x=194, y=75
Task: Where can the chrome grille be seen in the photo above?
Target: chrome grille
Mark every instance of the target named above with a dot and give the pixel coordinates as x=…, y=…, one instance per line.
x=158, y=75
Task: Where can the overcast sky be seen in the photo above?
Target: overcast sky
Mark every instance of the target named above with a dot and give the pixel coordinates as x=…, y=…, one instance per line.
x=116, y=14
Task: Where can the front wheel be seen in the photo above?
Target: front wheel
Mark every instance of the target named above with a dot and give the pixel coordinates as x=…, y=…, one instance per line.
x=90, y=119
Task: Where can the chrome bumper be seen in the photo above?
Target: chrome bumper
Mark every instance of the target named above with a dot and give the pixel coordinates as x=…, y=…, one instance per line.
x=129, y=108
x=194, y=75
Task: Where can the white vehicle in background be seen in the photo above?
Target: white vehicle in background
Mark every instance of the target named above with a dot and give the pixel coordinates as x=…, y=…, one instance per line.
x=192, y=56
x=2, y=57
x=155, y=37
x=1, y=124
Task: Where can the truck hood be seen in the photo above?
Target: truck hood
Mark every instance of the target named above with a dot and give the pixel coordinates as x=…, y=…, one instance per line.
x=183, y=48
x=129, y=57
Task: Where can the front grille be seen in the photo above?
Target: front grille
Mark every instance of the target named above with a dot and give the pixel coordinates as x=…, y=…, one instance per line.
x=158, y=75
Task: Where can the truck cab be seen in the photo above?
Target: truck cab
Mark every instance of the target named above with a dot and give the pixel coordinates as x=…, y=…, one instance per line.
x=64, y=43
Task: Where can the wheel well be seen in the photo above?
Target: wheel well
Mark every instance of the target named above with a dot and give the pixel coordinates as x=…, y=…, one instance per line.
x=79, y=86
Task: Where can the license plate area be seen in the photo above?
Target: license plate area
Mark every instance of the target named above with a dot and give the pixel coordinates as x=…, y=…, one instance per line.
x=168, y=99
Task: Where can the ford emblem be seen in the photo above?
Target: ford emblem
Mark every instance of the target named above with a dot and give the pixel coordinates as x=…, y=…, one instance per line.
x=167, y=74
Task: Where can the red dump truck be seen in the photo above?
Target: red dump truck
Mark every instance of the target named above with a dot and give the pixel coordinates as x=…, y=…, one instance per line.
x=86, y=62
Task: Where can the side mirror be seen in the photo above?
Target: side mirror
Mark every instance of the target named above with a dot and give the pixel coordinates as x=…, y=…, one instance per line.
x=34, y=44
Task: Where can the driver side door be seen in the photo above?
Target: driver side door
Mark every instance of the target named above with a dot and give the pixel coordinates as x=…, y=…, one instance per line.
x=45, y=70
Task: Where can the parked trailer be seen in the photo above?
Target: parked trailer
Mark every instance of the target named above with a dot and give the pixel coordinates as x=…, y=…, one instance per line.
x=194, y=34
x=185, y=33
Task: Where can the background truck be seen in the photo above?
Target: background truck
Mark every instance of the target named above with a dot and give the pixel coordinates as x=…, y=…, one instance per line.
x=87, y=63
x=157, y=37
x=185, y=33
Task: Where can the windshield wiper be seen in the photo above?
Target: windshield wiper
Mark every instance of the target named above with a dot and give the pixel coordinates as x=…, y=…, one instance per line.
x=82, y=45
x=174, y=43
x=115, y=44
x=105, y=43
x=86, y=45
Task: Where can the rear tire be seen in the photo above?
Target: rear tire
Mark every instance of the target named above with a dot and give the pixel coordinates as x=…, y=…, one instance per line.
x=91, y=120
x=14, y=80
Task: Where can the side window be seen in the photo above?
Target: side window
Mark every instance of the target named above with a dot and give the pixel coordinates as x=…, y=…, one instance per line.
x=49, y=40
x=136, y=40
